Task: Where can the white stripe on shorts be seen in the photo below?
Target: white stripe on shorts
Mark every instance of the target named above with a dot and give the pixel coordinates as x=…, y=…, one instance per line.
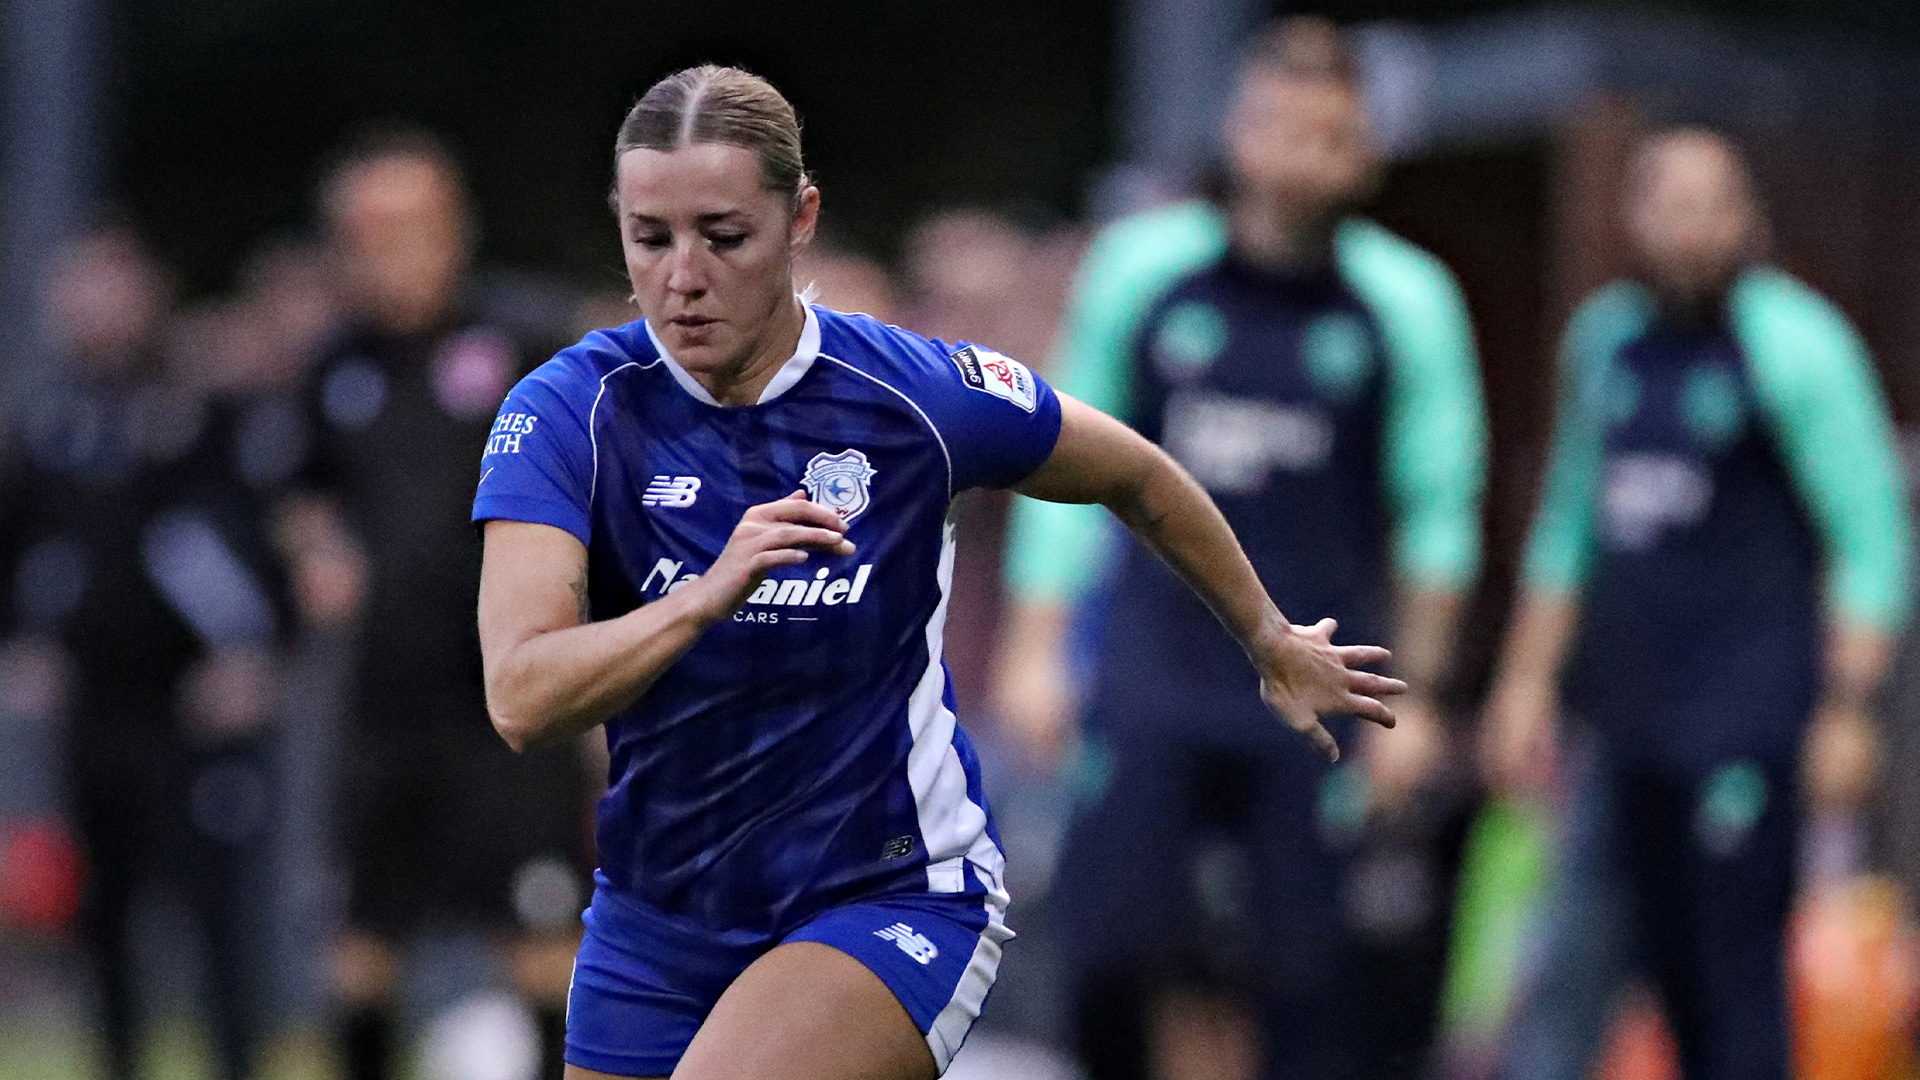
x=951, y=1026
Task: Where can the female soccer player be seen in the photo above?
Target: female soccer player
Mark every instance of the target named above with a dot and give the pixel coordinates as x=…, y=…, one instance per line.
x=721, y=530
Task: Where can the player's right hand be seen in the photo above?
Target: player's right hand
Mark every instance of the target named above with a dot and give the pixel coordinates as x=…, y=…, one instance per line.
x=771, y=535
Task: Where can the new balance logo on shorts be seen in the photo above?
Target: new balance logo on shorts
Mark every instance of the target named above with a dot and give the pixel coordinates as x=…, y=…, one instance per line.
x=911, y=942
x=674, y=491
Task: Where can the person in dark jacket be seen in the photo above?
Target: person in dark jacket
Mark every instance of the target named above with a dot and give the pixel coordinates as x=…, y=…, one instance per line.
x=444, y=828
x=139, y=563
x=1715, y=577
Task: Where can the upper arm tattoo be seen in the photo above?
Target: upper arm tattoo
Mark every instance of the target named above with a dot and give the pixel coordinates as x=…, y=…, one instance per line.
x=579, y=587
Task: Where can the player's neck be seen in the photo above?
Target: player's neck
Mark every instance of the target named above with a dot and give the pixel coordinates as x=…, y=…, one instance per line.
x=743, y=384
x=1272, y=234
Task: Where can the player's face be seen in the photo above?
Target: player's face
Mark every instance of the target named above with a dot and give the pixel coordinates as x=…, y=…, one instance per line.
x=401, y=225
x=1302, y=140
x=1690, y=213
x=709, y=249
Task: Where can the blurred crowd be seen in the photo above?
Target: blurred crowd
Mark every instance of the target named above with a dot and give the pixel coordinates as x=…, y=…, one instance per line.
x=236, y=623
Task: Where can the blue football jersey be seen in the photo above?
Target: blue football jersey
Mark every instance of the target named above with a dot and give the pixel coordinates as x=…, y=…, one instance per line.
x=804, y=752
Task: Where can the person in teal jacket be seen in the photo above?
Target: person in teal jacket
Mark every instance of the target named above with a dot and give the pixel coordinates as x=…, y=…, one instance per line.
x=1317, y=374
x=1713, y=583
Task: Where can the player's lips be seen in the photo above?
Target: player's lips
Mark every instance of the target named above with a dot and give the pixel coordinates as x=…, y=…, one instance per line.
x=691, y=322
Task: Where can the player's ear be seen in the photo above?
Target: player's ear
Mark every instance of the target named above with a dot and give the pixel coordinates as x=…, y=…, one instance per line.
x=806, y=217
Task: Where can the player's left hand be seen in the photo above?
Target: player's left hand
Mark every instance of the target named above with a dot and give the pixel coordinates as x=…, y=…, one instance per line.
x=1840, y=757
x=1304, y=676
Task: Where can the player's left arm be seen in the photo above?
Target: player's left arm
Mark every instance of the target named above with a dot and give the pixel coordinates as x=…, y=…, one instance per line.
x=1835, y=434
x=1434, y=458
x=1303, y=675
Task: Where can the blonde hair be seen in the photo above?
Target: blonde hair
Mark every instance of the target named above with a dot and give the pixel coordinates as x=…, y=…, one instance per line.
x=713, y=104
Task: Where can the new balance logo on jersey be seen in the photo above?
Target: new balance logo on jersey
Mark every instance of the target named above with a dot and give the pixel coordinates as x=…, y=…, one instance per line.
x=911, y=942
x=671, y=491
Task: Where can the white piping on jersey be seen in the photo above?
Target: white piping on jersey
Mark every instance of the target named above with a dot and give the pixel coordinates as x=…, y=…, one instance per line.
x=593, y=433
x=937, y=437
x=791, y=372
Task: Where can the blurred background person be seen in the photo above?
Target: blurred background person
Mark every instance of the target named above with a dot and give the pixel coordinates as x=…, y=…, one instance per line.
x=246, y=356
x=1317, y=374
x=1718, y=566
x=977, y=275
x=259, y=341
x=846, y=280
x=456, y=849
x=137, y=558
x=973, y=274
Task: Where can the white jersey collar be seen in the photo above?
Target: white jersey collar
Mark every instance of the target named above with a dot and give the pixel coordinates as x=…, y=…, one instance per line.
x=790, y=372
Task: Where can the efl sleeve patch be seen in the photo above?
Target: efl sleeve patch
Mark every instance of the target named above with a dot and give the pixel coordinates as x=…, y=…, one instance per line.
x=992, y=373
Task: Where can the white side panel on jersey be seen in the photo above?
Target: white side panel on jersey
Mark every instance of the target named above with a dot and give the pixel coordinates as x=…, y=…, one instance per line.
x=953, y=825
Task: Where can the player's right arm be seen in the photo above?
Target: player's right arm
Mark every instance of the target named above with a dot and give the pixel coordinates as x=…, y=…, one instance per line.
x=1517, y=740
x=552, y=674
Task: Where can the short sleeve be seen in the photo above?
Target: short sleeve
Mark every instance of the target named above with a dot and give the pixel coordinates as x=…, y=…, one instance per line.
x=999, y=420
x=1818, y=381
x=1435, y=450
x=538, y=463
x=1559, y=549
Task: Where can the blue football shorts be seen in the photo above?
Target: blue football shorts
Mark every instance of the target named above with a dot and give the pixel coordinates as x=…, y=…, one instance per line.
x=645, y=980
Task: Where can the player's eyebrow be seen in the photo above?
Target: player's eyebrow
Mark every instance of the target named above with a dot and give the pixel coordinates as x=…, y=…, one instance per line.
x=714, y=218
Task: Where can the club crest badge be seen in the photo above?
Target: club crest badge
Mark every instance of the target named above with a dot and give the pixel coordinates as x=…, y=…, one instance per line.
x=840, y=482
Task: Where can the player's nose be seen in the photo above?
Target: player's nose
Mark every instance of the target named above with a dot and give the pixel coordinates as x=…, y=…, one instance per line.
x=686, y=275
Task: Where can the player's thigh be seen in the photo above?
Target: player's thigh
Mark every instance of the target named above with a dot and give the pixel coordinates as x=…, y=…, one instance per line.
x=807, y=1011
x=575, y=1072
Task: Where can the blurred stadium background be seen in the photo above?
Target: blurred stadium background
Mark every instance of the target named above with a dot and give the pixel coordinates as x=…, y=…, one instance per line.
x=966, y=151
